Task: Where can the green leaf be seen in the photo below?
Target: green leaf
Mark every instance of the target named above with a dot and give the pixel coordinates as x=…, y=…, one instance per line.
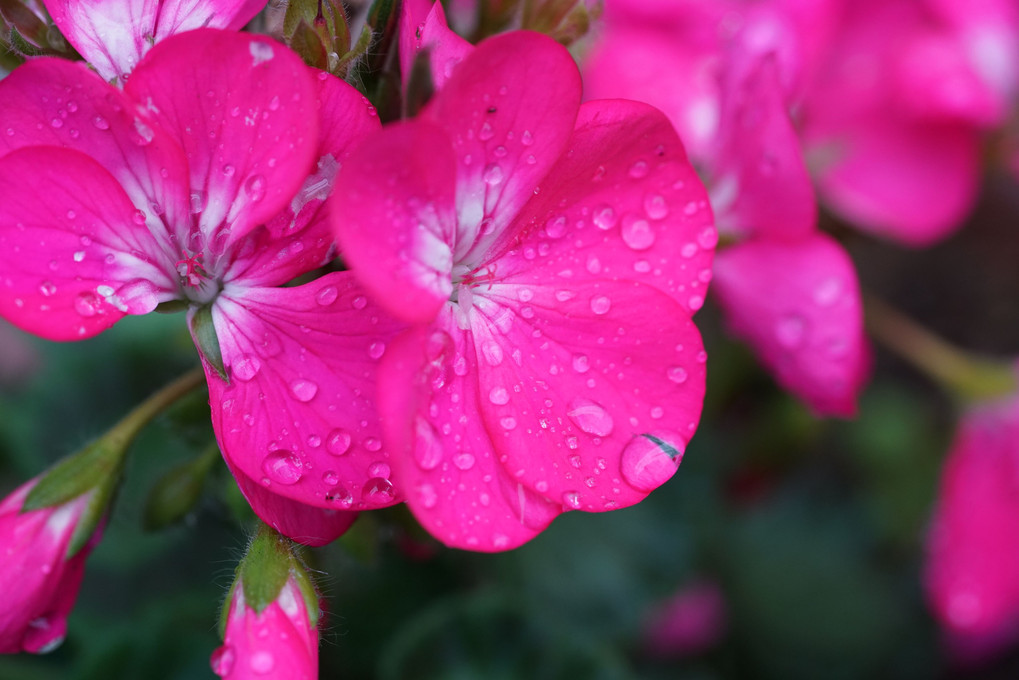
x=178, y=491
x=204, y=331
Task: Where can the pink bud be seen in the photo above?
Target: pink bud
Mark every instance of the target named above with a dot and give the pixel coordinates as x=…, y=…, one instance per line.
x=279, y=642
x=40, y=583
x=690, y=622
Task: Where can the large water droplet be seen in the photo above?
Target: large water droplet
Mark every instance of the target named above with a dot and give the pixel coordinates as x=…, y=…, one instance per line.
x=222, y=661
x=650, y=459
x=338, y=442
x=637, y=233
x=427, y=445
x=656, y=207
x=492, y=352
x=246, y=367
x=87, y=304
x=556, y=227
x=100, y=123
x=283, y=467
x=304, y=390
x=604, y=217
x=590, y=417
x=377, y=491
x=326, y=296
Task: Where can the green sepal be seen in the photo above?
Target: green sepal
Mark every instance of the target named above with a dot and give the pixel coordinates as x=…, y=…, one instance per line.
x=307, y=43
x=178, y=491
x=357, y=51
x=377, y=75
x=265, y=568
x=564, y=20
x=28, y=25
x=670, y=450
x=203, y=328
x=172, y=307
x=307, y=589
x=318, y=31
x=95, y=511
x=420, y=85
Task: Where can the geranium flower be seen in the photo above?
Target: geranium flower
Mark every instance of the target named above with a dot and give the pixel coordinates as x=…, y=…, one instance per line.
x=203, y=183
x=41, y=580
x=549, y=256
x=113, y=35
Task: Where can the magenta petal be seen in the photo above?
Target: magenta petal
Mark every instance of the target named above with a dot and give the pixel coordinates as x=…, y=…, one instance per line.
x=423, y=26
x=54, y=102
x=798, y=306
x=306, y=524
x=113, y=35
x=443, y=457
x=249, y=127
x=972, y=571
x=760, y=182
x=509, y=119
x=73, y=256
x=400, y=245
x=298, y=415
x=906, y=180
x=589, y=392
x=624, y=203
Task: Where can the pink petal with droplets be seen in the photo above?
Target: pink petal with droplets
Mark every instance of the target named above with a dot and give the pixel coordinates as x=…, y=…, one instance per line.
x=113, y=35
x=588, y=392
x=760, y=184
x=423, y=26
x=798, y=306
x=972, y=570
x=393, y=211
x=509, y=119
x=54, y=102
x=306, y=524
x=249, y=127
x=624, y=203
x=443, y=458
x=74, y=258
x=298, y=415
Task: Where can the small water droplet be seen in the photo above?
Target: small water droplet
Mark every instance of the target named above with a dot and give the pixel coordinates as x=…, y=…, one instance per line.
x=508, y=423
x=376, y=349
x=340, y=496
x=330, y=477
x=327, y=296
x=138, y=217
x=427, y=495
x=600, y=304
x=100, y=123
x=571, y=499
x=87, y=304
x=373, y=444
x=492, y=352
x=605, y=218
x=338, y=442
x=283, y=467
x=360, y=302
x=71, y=214
x=828, y=291
x=255, y=187
x=222, y=661
x=304, y=390
x=677, y=374
x=229, y=170
x=581, y=364
x=246, y=367
x=47, y=288
x=556, y=227
x=498, y=396
x=590, y=417
x=463, y=461
x=638, y=170
x=486, y=132
x=656, y=207
x=526, y=138
x=493, y=174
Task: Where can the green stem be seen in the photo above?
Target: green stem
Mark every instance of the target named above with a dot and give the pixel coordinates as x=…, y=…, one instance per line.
x=124, y=432
x=962, y=374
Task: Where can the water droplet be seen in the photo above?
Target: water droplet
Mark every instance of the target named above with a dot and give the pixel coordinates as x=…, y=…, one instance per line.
x=138, y=217
x=274, y=103
x=376, y=349
x=677, y=374
x=79, y=255
x=47, y=288
x=600, y=304
x=526, y=138
x=463, y=461
x=604, y=218
x=427, y=495
x=100, y=123
x=327, y=296
x=650, y=459
x=498, y=396
x=338, y=442
x=246, y=367
x=637, y=233
x=304, y=390
x=340, y=496
x=581, y=364
x=493, y=174
x=571, y=499
x=590, y=417
x=314, y=441
x=556, y=227
x=254, y=187
x=222, y=661
x=508, y=423
x=427, y=445
x=229, y=170
x=486, y=132
x=638, y=170
x=360, y=302
x=377, y=491
x=330, y=477
x=492, y=352
x=87, y=304
x=57, y=123
x=790, y=331
x=374, y=444
x=262, y=662
x=656, y=207
x=71, y=214
x=283, y=467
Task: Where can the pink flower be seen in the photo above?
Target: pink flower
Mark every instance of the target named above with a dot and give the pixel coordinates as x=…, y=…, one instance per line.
x=690, y=622
x=113, y=35
x=203, y=183
x=550, y=256
x=972, y=571
x=280, y=641
x=40, y=578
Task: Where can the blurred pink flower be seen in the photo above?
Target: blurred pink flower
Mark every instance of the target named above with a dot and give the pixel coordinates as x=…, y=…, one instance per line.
x=972, y=571
x=279, y=642
x=550, y=256
x=205, y=185
x=40, y=581
x=690, y=622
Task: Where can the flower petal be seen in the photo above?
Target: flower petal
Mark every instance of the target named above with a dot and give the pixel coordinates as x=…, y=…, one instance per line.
x=74, y=255
x=306, y=524
x=509, y=109
x=423, y=26
x=298, y=414
x=624, y=203
x=54, y=102
x=760, y=182
x=249, y=127
x=798, y=306
x=113, y=35
x=589, y=393
x=443, y=458
x=400, y=246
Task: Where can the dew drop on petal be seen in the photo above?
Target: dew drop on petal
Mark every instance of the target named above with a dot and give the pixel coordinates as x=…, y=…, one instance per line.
x=427, y=495
x=376, y=349
x=650, y=459
x=427, y=445
x=326, y=296
x=493, y=174
x=360, y=302
x=571, y=499
x=590, y=417
x=656, y=207
x=604, y=218
x=87, y=304
x=463, y=461
x=637, y=233
x=377, y=491
x=498, y=396
x=303, y=390
x=338, y=442
x=677, y=374
x=638, y=170
x=827, y=292
x=340, y=496
x=581, y=364
x=556, y=227
x=600, y=304
x=100, y=123
x=47, y=288
x=246, y=367
x=283, y=467
x=222, y=661
x=255, y=187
